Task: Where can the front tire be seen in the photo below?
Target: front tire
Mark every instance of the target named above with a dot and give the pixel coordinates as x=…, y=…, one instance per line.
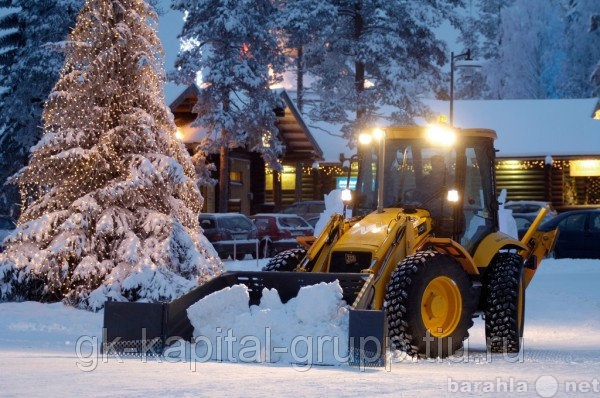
x=504, y=303
x=429, y=305
x=286, y=260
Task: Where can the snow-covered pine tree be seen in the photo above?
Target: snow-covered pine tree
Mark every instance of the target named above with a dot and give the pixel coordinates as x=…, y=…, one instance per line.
x=539, y=49
x=531, y=53
x=379, y=54
x=29, y=67
x=233, y=45
x=487, y=32
x=470, y=82
x=114, y=207
x=302, y=23
x=581, y=48
x=595, y=28
x=489, y=25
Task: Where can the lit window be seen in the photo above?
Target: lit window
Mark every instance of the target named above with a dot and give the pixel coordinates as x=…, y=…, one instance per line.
x=235, y=176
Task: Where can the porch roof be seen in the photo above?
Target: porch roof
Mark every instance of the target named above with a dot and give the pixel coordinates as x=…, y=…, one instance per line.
x=300, y=145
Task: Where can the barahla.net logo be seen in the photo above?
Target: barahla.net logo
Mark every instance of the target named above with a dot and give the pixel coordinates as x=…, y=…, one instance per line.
x=545, y=386
x=498, y=385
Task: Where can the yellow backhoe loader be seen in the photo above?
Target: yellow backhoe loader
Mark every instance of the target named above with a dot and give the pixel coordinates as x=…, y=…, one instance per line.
x=431, y=242
x=419, y=258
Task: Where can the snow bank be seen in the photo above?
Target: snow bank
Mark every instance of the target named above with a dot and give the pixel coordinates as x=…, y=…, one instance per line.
x=333, y=205
x=38, y=358
x=562, y=305
x=311, y=328
x=36, y=326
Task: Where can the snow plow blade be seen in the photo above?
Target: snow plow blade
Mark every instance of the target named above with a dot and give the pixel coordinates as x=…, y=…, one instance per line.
x=146, y=329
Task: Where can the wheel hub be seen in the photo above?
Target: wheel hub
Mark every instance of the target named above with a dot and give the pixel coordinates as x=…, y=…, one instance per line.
x=441, y=306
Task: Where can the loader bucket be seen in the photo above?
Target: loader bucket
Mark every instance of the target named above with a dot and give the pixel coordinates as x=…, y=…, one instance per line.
x=145, y=329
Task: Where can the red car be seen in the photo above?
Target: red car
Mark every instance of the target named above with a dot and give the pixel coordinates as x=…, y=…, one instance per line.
x=278, y=232
x=231, y=234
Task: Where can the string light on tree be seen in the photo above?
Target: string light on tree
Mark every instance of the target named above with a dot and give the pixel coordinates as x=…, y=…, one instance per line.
x=111, y=202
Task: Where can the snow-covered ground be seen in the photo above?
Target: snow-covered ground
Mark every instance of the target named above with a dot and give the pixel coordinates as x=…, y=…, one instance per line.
x=52, y=350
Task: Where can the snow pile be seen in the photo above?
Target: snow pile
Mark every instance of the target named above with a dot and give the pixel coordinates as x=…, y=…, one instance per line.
x=311, y=328
x=506, y=221
x=333, y=205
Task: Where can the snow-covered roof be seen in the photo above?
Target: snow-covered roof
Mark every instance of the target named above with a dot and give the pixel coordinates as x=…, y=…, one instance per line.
x=559, y=127
x=329, y=139
x=186, y=99
x=563, y=127
x=297, y=137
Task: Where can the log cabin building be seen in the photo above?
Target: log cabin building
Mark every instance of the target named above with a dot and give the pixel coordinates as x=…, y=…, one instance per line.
x=254, y=187
x=548, y=150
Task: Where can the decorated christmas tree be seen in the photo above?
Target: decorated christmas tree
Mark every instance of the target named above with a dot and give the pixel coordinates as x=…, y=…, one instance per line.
x=110, y=201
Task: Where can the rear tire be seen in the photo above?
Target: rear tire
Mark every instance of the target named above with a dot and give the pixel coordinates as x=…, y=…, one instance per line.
x=286, y=260
x=504, y=291
x=429, y=305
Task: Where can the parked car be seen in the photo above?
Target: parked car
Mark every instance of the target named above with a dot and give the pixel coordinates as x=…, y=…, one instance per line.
x=313, y=221
x=7, y=225
x=523, y=222
x=305, y=209
x=278, y=232
x=530, y=208
x=232, y=234
x=578, y=233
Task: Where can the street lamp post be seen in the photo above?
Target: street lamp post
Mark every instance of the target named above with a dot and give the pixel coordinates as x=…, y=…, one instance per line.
x=467, y=56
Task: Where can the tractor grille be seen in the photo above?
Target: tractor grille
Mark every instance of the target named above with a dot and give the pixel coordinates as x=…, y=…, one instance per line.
x=349, y=261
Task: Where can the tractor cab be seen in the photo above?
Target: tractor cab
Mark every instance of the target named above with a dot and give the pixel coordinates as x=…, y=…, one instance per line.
x=449, y=172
